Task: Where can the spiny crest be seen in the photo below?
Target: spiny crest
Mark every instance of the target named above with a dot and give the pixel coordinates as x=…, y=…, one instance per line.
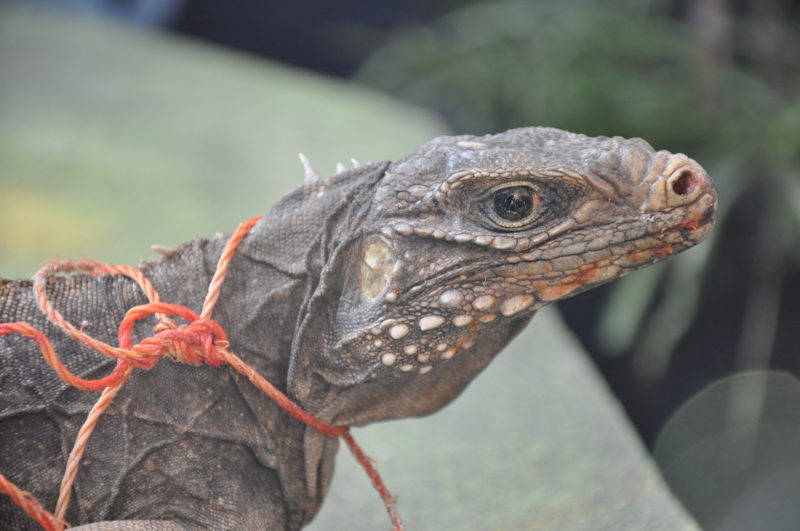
x=310, y=174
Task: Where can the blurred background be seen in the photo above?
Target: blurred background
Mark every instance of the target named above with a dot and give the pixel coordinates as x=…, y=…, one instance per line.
x=701, y=351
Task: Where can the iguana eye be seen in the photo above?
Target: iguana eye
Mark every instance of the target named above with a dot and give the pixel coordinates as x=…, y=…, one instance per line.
x=512, y=207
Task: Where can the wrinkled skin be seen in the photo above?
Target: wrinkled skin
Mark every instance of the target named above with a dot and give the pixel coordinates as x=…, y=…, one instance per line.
x=378, y=293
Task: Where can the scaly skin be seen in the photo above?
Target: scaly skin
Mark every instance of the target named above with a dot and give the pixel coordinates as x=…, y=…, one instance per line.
x=378, y=293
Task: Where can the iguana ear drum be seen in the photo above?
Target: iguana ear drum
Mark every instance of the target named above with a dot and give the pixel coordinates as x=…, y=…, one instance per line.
x=376, y=268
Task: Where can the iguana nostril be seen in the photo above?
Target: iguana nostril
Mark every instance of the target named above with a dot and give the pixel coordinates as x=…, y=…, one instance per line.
x=685, y=183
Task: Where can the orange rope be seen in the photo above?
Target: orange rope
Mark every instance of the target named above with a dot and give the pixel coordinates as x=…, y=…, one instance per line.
x=75, y=456
x=30, y=505
x=200, y=341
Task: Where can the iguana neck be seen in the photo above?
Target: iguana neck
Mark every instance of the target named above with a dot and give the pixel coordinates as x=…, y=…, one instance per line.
x=258, y=305
x=264, y=302
x=273, y=272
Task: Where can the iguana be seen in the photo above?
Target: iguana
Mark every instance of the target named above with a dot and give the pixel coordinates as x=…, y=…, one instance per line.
x=377, y=293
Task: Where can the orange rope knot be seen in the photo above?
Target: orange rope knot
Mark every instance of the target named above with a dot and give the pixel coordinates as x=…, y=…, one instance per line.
x=200, y=341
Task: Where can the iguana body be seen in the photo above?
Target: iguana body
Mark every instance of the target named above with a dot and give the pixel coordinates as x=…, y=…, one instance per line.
x=378, y=293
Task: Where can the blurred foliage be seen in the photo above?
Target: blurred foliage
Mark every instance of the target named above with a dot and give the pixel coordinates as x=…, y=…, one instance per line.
x=719, y=85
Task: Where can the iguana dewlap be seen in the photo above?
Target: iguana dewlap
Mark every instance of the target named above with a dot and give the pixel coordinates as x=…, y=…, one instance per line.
x=378, y=293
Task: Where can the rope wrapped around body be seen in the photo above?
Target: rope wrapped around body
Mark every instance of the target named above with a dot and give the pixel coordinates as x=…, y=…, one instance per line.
x=200, y=341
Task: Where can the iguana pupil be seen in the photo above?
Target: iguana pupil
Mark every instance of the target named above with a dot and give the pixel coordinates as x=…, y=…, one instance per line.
x=514, y=203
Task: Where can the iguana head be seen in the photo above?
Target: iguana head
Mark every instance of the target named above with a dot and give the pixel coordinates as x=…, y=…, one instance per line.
x=459, y=243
